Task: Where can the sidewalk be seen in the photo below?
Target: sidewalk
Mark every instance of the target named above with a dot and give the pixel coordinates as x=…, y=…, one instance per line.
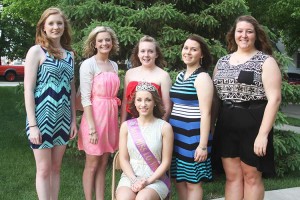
x=290, y=110
x=283, y=194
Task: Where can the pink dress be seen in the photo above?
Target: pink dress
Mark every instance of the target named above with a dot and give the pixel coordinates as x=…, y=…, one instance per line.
x=105, y=104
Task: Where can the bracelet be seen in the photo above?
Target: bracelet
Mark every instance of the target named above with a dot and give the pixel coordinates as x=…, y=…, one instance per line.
x=32, y=126
x=203, y=148
x=93, y=133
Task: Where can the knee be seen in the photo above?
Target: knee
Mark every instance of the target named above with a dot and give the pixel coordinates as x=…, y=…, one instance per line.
x=192, y=187
x=234, y=176
x=253, y=178
x=56, y=168
x=92, y=169
x=103, y=164
x=43, y=171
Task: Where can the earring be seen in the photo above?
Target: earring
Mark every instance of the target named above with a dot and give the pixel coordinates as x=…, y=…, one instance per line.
x=201, y=61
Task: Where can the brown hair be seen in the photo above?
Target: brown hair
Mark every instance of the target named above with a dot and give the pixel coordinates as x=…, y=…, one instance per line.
x=159, y=61
x=207, y=58
x=42, y=39
x=158, y=110
x=89, y=45
x=262, y=42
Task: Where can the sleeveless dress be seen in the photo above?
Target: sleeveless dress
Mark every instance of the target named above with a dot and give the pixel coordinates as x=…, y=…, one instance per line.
x=153, y=137
x=237, y=128
x=185, y=120
x=53, y=101
x=105, y=103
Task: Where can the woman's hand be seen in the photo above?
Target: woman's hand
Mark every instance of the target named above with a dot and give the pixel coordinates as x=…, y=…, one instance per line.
x=200, y=154
x=260, y=145
x=35, y=135
x=139, y=184
x=74, y=130
x=93, y=137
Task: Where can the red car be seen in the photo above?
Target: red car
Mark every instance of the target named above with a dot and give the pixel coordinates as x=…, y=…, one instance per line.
x=11, y=72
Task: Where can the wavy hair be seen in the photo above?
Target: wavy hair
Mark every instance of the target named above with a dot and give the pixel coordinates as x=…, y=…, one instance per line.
x=262, y=42
x=41, y=36
x=89, y=45
x=158, y=110
x=159, y=61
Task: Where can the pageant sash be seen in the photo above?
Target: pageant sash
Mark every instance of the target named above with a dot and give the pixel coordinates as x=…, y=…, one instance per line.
x=141, y=145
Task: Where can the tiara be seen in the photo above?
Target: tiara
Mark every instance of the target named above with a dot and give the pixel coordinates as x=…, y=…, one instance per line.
x=145, y=86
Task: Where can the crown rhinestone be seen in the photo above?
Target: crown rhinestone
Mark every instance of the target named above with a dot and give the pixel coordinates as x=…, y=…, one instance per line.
x=145, y=86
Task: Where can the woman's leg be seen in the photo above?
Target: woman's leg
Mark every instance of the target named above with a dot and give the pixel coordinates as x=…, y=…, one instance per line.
x=234, y=188
x=88, y=177
x=181, y=189
x=100, y=177
x=125, y=193
x=57, y=153
x=253, y=184
x=43, y=171
x=147, y=194
x=194, y=191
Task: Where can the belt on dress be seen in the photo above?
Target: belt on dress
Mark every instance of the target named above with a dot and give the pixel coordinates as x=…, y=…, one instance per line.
x=111, y=98
x=244, y=105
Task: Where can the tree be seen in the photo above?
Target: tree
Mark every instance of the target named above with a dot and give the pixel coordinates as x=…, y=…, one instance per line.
x=17, y=24
x=168, y=21
x=282, y=17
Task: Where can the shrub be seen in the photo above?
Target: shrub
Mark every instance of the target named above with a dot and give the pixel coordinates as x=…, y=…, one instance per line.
x=287, y=152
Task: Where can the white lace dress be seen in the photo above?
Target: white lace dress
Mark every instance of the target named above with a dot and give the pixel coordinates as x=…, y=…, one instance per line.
x=153, y=137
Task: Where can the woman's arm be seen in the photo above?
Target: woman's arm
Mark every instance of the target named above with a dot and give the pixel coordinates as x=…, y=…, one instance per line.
x=166, y=84
x=86, y=80
x=271, y=78
x=124, y=100
x=167, y=149
x=204, y=87
x=215, y=106
x=123, y=153
x=73, y=109
x=33, y=60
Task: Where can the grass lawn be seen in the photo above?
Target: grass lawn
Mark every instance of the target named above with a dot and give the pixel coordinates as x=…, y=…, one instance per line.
x=17, y=166
x=293, y=121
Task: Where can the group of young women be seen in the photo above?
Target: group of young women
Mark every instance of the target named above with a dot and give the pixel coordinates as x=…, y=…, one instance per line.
x=163, y=126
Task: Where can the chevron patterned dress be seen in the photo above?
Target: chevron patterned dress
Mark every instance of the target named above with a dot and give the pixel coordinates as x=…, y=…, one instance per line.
x=185, y=120
x=53, y=101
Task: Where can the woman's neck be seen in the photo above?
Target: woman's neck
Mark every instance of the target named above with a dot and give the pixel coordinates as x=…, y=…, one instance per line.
x=56, y=44
x=147, y=68
x=145, y=120
x=191, y=68
x=246, y=52
x=103, y=58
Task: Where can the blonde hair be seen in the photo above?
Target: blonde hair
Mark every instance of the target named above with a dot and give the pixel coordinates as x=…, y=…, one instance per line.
x=42, y=39
x=89, y=45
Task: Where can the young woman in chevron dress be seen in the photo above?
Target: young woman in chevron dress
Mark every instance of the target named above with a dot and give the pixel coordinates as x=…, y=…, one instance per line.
x=192, y=95
x=49, y=91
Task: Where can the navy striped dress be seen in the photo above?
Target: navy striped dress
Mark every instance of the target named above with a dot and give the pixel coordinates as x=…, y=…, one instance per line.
x=53, y=101
x=185, y=120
